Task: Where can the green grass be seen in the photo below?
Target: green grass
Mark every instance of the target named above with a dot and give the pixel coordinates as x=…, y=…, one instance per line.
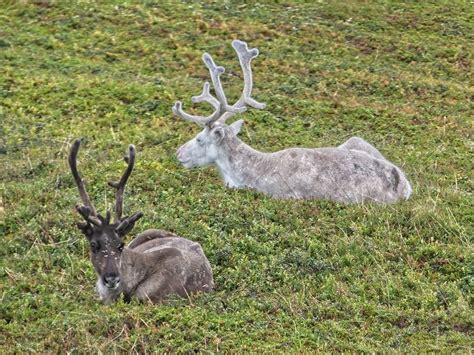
x=290, y=275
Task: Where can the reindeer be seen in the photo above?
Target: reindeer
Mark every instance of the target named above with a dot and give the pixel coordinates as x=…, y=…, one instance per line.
x=154, y=265
x=353, y=172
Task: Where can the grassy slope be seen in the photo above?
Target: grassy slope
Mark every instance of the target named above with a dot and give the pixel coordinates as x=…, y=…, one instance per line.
x=289, y=274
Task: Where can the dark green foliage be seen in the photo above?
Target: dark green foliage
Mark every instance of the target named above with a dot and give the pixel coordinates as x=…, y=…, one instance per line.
x=290, y=275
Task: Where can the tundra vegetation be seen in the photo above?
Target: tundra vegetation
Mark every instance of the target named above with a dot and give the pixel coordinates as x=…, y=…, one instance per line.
x=289, y=274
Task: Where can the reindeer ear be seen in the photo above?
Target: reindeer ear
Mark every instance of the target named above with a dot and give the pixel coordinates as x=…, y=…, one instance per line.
x=86, y=229
x=218, y=134
x=237, y=126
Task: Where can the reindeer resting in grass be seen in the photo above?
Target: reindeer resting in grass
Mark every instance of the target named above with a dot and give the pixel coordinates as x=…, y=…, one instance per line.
x=154, y=265
x=352, y=172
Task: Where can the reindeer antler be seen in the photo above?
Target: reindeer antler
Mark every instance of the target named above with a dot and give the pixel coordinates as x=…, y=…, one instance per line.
x=222, y=109
x=124, y=225
x=120, y=186
x=87, y=211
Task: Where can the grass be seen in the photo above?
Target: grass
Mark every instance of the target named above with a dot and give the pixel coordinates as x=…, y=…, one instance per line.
x=290, y=275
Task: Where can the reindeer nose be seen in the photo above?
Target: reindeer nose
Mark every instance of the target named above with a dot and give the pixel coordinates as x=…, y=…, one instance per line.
x=111, y=281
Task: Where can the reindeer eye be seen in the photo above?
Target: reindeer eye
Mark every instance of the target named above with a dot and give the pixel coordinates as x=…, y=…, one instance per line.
x=199, y=140
x=95, y=246
x=120, y=248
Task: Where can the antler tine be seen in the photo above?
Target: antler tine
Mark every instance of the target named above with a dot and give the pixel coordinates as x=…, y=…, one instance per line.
x=85, y=212
x=128, y=223
x=206, y=96
x=77, y=178
x=245, y=57
x=216, y=72
x=200, y=120
x=120, y=186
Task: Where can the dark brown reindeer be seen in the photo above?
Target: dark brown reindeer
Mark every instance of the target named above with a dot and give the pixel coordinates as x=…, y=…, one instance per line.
x=154, y=265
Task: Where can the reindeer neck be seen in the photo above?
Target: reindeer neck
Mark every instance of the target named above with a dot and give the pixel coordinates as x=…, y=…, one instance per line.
x=237, y=163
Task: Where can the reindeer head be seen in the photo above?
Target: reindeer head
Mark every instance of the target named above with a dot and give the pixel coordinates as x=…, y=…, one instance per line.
x=203, y=149
x=105, y=238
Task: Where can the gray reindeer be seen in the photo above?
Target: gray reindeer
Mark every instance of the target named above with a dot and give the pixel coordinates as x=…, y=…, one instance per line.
x=154, y=265
x=353, y=172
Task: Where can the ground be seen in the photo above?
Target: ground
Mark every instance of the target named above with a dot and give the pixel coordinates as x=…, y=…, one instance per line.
x=290, y=275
